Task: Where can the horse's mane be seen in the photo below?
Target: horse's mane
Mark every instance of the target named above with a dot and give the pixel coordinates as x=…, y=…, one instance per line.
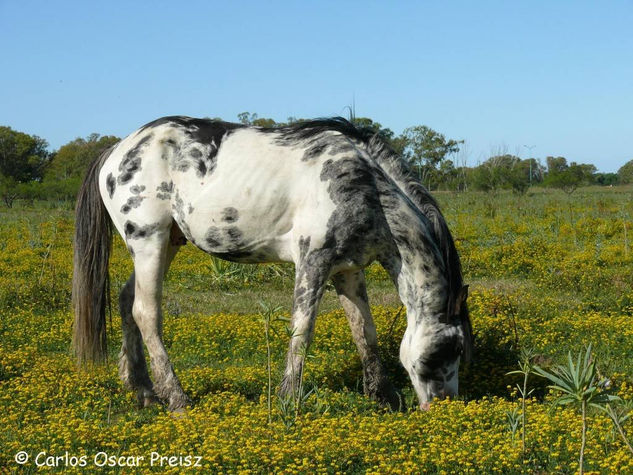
x=400, y=172
x=307, y=129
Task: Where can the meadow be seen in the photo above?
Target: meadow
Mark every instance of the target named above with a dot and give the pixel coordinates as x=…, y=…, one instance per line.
x=548, y=272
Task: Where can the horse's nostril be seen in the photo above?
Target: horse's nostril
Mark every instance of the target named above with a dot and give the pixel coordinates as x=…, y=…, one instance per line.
x=425, y=406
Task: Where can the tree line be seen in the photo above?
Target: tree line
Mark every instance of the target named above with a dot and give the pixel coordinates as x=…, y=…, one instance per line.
x=29, y=171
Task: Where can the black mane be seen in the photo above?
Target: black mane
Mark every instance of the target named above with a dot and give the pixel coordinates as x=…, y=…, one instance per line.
x=308, y=129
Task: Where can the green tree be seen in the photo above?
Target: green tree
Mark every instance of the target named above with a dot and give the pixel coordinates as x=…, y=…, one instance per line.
x=517, y=176
x=567, y=177
x=536, y=172
x=625, y=173
x=23, y=157
x=607, y=179
x=71, y=160
x=447, y=176
x=265, y=122
x=247, y=118
x=502, y=172
x=556, y=165
x=8, y=190
x=425, y=149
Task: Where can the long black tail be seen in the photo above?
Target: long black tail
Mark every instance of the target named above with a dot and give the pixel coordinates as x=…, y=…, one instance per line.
x=91, y=281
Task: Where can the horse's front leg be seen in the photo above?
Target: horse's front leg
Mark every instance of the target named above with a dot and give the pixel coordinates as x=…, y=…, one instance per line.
x=352, y=292
x=310, y=279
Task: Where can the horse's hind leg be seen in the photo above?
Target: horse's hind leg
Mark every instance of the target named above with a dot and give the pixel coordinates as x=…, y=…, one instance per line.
x=352, y=292
x=151, y=258
x=132, y=365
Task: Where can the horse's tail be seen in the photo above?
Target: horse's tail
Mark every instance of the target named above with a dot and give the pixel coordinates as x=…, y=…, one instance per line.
x=400, y=172
x=91, y=281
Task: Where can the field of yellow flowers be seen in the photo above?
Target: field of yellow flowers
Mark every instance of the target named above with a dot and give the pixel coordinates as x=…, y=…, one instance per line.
x=548, y=272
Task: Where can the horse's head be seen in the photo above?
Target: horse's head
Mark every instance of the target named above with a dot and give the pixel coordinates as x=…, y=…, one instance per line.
x=431, y=351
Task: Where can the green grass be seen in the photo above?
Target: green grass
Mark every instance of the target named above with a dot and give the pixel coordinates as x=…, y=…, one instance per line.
x=546, y=270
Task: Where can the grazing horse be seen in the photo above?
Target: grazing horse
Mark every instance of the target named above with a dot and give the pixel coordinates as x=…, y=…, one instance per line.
x=323, y=194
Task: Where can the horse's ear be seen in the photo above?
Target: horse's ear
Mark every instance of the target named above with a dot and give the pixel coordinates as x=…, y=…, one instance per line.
x=460, y=301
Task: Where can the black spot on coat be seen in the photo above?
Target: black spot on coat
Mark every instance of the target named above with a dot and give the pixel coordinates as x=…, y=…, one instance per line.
x=110, y=184
x=165, y=190
x=227, y=239
x=132, y=202
x=201, y=168
x=136, y=231
x=230, y=215
x=178, y=208
x=213, y=237
x=205, y=132
x=131, y=162
x=354, y=224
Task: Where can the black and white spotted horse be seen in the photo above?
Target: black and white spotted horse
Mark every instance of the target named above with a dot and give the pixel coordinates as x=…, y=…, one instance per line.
x=323, y=194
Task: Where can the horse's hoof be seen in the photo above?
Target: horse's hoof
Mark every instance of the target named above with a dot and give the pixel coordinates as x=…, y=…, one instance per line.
x=146, y=399
x=388, y=397
x=393, y=402
x=149, y=401
x=179, y=413
x=286, y=389
x=179, y=405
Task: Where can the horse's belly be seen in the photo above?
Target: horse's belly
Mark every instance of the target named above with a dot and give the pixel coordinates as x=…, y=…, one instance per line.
x=238, y=232
x=239, y=219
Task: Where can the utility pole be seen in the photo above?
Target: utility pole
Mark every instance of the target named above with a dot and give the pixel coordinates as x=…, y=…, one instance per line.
x=530, y=147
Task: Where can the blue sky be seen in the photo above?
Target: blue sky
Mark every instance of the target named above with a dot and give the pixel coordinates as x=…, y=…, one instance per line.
x=500, y=75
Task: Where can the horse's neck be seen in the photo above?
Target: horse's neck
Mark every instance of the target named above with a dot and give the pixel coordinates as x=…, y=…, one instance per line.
x=418, y=271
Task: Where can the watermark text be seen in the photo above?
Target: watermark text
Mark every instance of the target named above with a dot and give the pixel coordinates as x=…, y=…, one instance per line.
x=105, y=459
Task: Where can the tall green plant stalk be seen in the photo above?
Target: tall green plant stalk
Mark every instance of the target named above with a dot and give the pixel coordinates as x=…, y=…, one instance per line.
x=268, y=367
x=578, y=385
x=523, y=412
x=526, y=367
x=619, y=417
x=626, y=240
x=268, y=316
x=583, y=437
